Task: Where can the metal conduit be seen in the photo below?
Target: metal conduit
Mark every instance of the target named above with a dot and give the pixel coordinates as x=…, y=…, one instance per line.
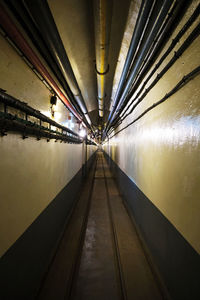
x=180, y=8
x=139, y=27
x=12, y=122
x=144, y=24
x=26, y=128
x=103, y=17
x=10, y=101
x=29, y=26
x=193, y=35
x=136, y=66
x=156, y=47
x=20, y=41
x=41, y=14
x=176, y=88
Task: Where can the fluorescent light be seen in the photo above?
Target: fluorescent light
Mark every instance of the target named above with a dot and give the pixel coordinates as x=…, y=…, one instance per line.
x=57, y=115
x=82, y=133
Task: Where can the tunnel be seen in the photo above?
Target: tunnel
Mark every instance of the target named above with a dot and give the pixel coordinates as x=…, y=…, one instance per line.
x=99, y=149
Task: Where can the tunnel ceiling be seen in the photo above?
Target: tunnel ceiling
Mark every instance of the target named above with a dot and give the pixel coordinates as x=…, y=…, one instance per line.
x=96, y=53
x=75, y=22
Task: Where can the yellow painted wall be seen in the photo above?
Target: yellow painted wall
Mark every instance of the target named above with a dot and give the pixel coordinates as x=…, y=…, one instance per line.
x=32, y=172
x=90, y=150
x=161, y=151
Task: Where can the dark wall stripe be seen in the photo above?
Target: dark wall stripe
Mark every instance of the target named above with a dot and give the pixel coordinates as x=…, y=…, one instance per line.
x=177, y=261
x=23, y=266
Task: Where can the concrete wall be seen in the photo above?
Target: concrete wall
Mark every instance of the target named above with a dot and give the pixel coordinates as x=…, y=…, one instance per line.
x=160, y=152
x=32, y=172
x=156, y=161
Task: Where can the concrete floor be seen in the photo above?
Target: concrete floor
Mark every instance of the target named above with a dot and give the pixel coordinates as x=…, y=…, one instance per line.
x=100, y=255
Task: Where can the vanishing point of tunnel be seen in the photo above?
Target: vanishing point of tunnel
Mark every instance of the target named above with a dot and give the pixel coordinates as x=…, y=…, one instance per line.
x=99, y=149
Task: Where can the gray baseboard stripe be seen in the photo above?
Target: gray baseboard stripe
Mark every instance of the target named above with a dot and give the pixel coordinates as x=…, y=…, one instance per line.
x=176, y=260
x=23, y=266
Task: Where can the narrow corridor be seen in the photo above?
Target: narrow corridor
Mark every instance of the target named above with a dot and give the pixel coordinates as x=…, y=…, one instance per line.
x=100, y=255
x=99, y=149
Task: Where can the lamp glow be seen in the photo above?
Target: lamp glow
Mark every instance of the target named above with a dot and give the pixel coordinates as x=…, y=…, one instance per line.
x=82, y=133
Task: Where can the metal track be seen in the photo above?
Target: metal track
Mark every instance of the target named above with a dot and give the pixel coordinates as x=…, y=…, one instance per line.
x=75, y=269
x=115, y=242
x=80, y=282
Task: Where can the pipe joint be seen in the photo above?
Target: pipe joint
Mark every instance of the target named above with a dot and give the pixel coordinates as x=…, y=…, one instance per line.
x=102, y=73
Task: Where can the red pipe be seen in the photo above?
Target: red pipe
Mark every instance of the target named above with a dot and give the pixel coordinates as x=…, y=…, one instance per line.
x=20, y=41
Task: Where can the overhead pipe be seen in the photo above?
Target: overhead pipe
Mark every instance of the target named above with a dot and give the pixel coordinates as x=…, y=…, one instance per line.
x=20, y=12
x=192, y=36
x=155, y=48
x=103, y=17
x=139, y=60
x=136, y=38
x=171, y=21
x=41, y=14
x=141, y=56
x=165, y=31
x=185, y=79
x=16, y=36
